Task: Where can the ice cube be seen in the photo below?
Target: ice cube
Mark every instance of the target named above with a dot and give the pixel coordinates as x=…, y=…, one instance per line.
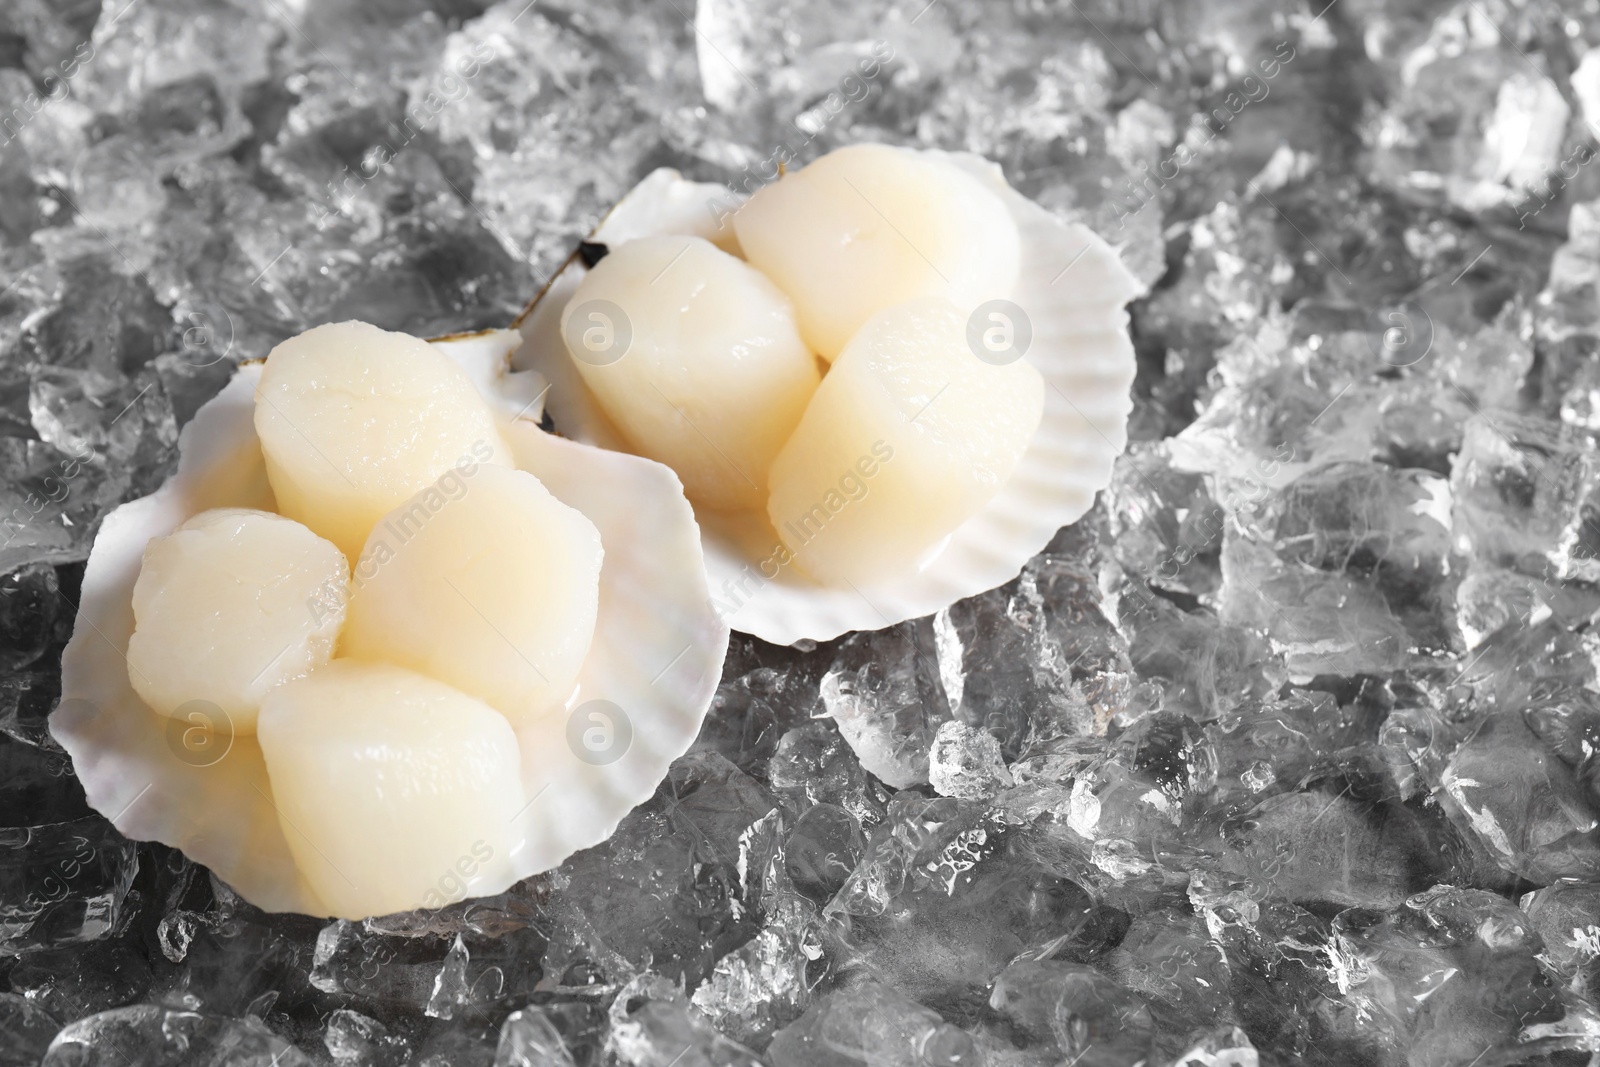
x=1164, y=523
x=766, y=691
x=1257, y=750
x=957, y=910
x=919, y=840
x=1321, y=623
x=352, y=1038
x=1221, y=1046
x=30, y=606
x=1072, y=1010
x=530, y=1038
x=767, y=983
x=1527, y=495
x=1168, y=959
x=1202, y=664
x=1450, y=974
x=871, y=1024
x=1491, y=598
x=693, y=860
x=25, y=1028
x=1033, y=659
x=150, y=1034
x=1510, y=791
x=1566, y=917
x=652, y=1026
x=1277, y=953
x=1332, y=850
x=382, y=968
x=822, y=850
x=65, y=882
x=1384, y=528
x=883, y=692
x=814, y=765
x=965, y=762
x=1473, y=118
x=80, y=980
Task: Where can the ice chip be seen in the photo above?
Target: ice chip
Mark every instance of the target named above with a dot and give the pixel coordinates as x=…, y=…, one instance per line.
x=965, y=762
x=883, y=692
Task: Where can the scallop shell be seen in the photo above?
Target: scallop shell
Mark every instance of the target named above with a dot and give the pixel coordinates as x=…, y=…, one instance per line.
x=1073, y=288
x=657, y=652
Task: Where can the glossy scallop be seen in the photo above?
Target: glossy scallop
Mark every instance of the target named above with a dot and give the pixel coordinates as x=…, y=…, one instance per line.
x=870, y=226
x=909, y=436
x=230, y=605
x=388, y=784
x=697, y=357
x=354, y=419
x=485, y=581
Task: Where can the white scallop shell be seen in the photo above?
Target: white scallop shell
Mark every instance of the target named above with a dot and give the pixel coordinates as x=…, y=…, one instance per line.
x=1073, y=288
x=657, y=652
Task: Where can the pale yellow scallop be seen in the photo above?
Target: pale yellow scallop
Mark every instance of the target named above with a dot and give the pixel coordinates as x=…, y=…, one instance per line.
x=230, y=605
x=704, y=370
x=354, y=419
x=870, y=226
x=486, y=582
x=393, y=790
x=908, y=436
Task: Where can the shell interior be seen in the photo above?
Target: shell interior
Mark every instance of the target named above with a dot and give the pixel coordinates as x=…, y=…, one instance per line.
x=657, y=652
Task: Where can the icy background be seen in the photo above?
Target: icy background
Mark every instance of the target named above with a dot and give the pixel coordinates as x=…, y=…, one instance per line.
x=1286, y=754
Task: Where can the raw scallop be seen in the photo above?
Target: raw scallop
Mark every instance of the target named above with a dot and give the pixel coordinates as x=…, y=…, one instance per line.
x=354, y=419
x=394, y=791
x=229, y=605
x=908, y=436
x=488, y=583
x=703, y=369
x=870, y=226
